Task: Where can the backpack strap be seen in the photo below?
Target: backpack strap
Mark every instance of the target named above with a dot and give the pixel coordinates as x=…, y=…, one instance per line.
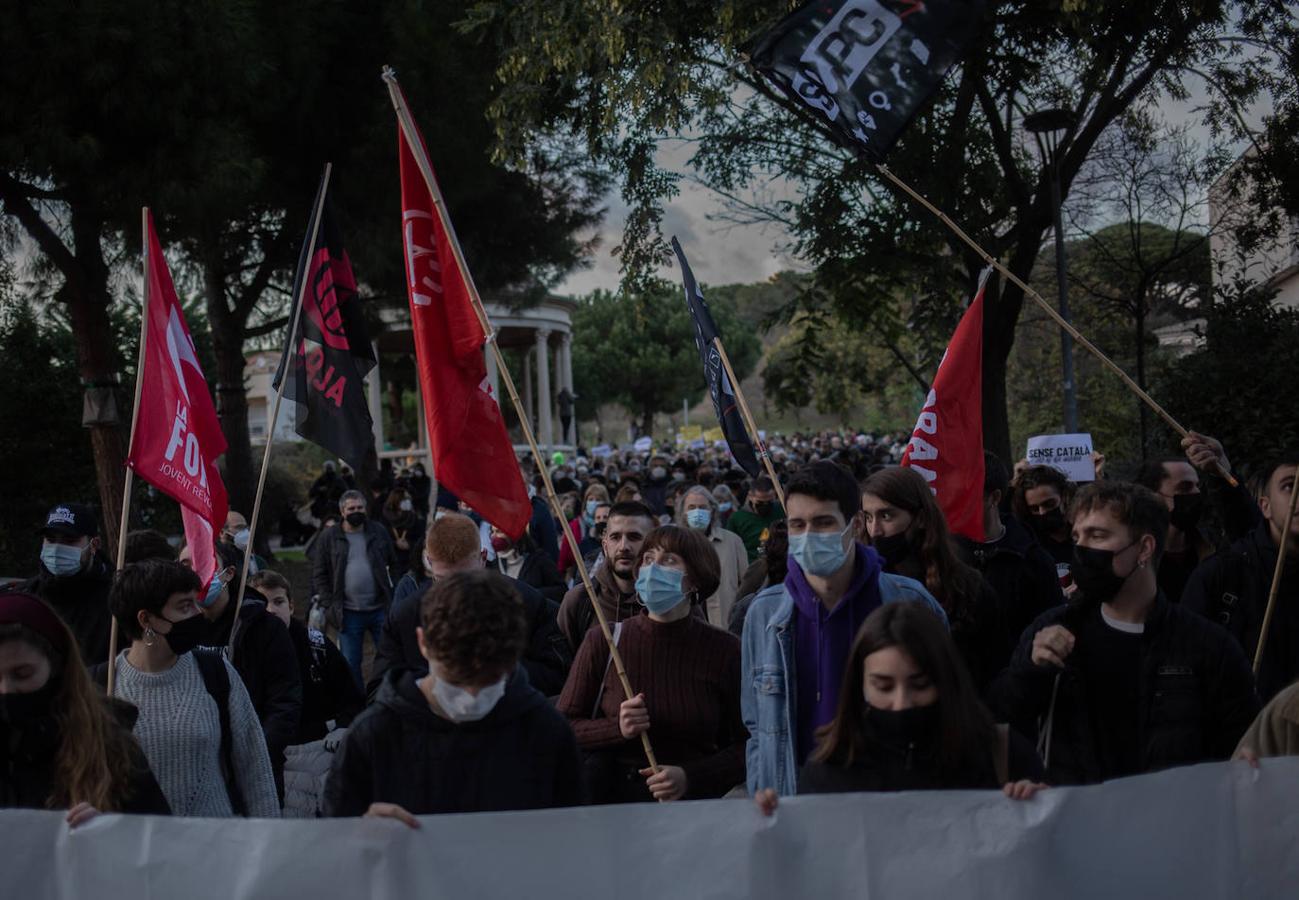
x=617, y=633
x=216, y=679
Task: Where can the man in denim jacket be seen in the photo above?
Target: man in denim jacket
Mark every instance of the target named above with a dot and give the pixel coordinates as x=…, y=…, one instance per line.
x=798, y=634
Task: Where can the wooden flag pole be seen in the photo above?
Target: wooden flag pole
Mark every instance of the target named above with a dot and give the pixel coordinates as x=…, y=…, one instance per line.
x=275, y=408
x=1049, y=309
x=135, y=415
x=1276, y=575
x=426, y=170
x=750, y=424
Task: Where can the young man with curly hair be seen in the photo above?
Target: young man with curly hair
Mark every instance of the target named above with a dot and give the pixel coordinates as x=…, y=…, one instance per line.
x=471, y=734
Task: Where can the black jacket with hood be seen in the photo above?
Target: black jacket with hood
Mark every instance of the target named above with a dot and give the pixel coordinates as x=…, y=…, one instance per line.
x=522, y=755
x=81, y=600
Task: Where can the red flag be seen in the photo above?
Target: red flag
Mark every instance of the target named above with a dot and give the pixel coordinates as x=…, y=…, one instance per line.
x=177, y=436
x=472, y=454
x=947, y=444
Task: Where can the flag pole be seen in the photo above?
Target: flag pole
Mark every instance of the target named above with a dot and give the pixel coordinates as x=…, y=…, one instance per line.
x=275, y=411
x=135, y=415
x=426, y=170
x=1276, y=576
x=748, y=421
x=1049, y=309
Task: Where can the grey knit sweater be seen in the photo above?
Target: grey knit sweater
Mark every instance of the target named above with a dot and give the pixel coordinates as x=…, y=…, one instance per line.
x=179, y=729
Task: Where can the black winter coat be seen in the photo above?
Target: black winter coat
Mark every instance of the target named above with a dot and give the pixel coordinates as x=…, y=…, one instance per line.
x=1231, y=588
x=539, y=572
x=329, y=565
x=1196, y=695
x=522, y=755
x=27, y=760
x=329, y=689
x=267, y=663
x=546, y=659
x=81, y=600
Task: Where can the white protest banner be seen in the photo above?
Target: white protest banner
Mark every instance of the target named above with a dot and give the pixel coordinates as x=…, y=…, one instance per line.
x=1216, y=830
x=1070, y=453
x=600, y=451
x=643, y=444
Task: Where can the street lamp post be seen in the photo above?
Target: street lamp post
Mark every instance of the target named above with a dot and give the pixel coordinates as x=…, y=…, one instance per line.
x=1049, y=126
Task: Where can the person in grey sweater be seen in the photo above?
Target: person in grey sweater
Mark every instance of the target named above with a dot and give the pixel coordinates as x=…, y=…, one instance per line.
x=180, y=725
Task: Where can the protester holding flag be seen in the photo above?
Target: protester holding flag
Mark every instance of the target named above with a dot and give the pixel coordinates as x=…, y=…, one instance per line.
x=909, y=718
x=687, y=674
x=797, y=634
x=697, y=509
x=63, y=745
x=196, y=724
x=74, y=577
x=902, y=521
x=467, y=734
x=1021, y=574
x=1122, y=681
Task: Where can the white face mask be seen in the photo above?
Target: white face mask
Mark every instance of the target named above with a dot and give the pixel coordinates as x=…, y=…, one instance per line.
x=461, y=706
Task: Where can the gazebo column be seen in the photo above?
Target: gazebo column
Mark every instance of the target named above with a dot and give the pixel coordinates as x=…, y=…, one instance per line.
x=545, y=400
x=527, y=390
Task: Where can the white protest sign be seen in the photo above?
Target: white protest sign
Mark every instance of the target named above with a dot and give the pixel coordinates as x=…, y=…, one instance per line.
x=601, y=451
x=1070, y=453
x=643, y=444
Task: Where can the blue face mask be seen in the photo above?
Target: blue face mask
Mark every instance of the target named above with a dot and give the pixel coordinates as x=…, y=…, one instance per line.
x=241, y=539
x=819, y=553
x=590, y=509
x=213, y=592
x=61, y=559
x=659, y=588
x=723, y=507
x=699, y=518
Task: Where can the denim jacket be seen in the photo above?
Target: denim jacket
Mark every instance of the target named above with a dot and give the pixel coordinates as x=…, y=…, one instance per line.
x=767, y=693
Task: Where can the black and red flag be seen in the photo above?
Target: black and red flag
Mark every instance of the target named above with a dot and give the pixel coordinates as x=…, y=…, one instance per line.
x=864, y=68
x=329, y=354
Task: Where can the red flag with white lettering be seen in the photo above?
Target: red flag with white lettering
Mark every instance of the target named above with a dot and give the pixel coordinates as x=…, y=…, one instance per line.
x=177, y=436
x=947, y=444
x=471, y=449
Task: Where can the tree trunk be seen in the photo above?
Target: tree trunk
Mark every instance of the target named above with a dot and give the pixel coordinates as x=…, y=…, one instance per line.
x=232, y=401
x=647, y=423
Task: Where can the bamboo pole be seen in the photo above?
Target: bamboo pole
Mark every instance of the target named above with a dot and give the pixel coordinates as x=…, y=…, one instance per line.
x=135, y=415
x=750, y=424
x=275, y=406
x=426, y=170
x=1047, y=307
x=1276, y=574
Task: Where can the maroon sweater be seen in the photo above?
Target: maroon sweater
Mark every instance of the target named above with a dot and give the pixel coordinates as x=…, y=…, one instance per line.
x=689, y=672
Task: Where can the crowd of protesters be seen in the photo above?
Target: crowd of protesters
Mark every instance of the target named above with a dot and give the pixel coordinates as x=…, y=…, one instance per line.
x=823, y=632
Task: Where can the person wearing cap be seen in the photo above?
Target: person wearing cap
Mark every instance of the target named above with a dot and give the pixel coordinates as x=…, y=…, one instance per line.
x=74, y=577
x=63, y=745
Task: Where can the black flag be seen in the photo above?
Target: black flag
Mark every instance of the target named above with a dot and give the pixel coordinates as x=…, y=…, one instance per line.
x=719, y=386
x=330, y=354
x=866, y=66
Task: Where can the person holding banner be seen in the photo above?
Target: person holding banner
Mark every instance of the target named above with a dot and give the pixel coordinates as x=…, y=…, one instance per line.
x=798, y=634
x=687, y=673
x=63, y=745
x=909, y=718
x=197, y=725
x=1232, y=587
x=470, y=734
x=1123, y=681
x=901, y=519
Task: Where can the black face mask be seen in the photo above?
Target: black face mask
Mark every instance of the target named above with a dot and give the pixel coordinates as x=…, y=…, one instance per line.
x=1048, y=522
x=1187, y=509
x=185, y=634
x=893, y=547
x=917, y=725
x=762, y=507
x=356, y=519
x=599, y=529
x=1093, y=572
x=21, y=710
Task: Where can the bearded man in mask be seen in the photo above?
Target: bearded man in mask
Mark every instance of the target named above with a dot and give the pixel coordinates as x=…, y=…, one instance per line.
x=74, y=578
x=1122, y=681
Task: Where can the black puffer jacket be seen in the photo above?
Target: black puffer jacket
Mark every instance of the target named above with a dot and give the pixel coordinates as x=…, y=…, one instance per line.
x=329, y=689
x=1196, y=695
x=28, y=755
x=522, y=755
x=1231, y=588
x=81, y=600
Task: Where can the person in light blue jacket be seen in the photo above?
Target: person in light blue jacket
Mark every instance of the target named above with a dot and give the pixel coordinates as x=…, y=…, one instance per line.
x=798, y=635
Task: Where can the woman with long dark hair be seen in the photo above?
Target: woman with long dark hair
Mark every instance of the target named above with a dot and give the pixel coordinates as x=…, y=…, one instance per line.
x=906, y=526
x=63, y=745
x=909, y=719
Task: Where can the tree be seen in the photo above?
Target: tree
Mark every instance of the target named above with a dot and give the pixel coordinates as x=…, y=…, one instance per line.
x=626, y=75
x=640, y=352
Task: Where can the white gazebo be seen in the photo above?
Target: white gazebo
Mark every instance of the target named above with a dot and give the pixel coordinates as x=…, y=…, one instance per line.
x=544, y=334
